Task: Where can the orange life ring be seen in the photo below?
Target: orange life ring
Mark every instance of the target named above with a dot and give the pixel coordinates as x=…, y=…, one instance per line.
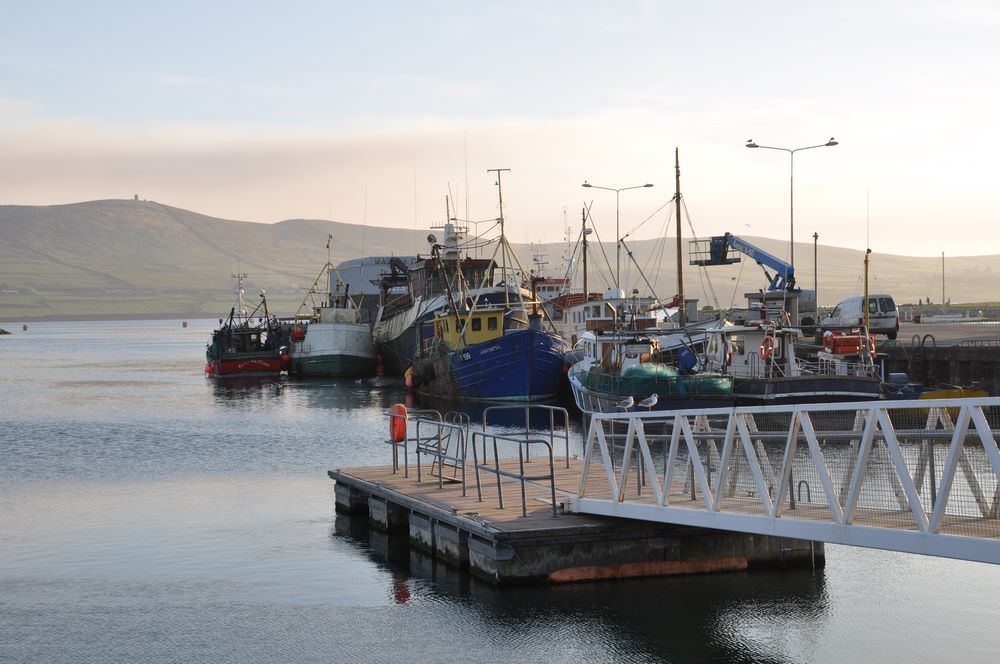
x=397, y=422
x=767, y=348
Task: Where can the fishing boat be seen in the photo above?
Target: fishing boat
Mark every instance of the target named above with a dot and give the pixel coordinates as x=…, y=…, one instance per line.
x=491, y=352
x=328, y=337
x=624, y=370
x=247, y=343
x=633, y=354
x=412, y=291
x=761, y=357
x=490, y=344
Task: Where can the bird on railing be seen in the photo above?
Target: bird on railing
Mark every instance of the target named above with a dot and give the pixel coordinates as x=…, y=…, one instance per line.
x=649, y=401
x=625, y=403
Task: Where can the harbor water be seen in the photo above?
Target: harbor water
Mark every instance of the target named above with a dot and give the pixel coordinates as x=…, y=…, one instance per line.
x=148, y=514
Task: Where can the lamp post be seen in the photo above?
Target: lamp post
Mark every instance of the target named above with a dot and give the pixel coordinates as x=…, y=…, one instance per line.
x=791, y=185
x=618, y=235
x=816, y=272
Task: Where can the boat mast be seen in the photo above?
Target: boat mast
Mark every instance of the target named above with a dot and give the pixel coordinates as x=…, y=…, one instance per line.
x=240, y=300
x=329, y=273
x=942, y=282
x=680, y=271
x=867, y=253
x=503, y=237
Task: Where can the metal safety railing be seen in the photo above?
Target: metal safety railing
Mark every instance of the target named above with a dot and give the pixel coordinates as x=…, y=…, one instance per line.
x=920, y=476
x=556, y=418
x=523, y=445
x=401, y=423
x=445, y=443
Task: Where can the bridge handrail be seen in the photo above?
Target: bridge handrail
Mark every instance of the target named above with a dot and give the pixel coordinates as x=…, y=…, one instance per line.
x=882, y=481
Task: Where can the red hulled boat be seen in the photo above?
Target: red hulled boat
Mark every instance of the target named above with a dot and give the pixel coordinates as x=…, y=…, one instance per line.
x=247, y=344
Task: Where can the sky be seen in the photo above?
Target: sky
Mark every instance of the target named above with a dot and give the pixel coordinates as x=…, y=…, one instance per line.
x=375, y=112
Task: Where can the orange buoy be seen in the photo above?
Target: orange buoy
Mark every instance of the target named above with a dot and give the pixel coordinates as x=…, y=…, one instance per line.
x=397, y=422
x=408, y=377
x=767, y=348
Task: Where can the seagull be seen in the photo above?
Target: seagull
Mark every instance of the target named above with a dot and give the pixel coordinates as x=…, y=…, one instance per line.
x=649, y=401
x=625, y=403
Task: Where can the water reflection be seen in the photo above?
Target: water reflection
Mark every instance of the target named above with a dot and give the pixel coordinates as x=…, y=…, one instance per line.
x=737, y=617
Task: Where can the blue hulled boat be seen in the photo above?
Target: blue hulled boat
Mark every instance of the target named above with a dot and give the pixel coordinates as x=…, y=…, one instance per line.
x=494, y=353
x=488, y=343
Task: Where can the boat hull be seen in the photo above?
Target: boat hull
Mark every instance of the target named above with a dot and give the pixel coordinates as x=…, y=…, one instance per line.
x=521, y=366
x=806, y=389
x=679, y=393
x=246, y=364
x=334, y=349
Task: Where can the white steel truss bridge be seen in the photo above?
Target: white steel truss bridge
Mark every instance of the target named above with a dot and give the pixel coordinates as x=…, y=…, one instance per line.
x=918, y=476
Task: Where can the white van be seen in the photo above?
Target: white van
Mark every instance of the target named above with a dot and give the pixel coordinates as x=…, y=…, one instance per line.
x=883, y=316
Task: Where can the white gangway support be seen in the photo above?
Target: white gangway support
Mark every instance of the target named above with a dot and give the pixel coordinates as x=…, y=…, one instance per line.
x=920, y=476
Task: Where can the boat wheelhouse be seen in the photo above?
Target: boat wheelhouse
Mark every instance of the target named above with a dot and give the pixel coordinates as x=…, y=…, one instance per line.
x=766, y=369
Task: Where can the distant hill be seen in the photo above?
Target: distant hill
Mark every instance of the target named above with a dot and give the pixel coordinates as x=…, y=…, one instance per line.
x=127, y=258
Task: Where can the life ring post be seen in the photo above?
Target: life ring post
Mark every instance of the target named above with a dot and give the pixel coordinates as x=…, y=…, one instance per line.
x=398, y=423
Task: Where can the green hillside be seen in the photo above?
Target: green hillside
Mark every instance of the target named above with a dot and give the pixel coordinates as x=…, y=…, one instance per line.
x=127, y=258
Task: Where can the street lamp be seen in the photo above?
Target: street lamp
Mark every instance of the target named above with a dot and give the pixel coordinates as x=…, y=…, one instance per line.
x=618, y=235
x=791, y=179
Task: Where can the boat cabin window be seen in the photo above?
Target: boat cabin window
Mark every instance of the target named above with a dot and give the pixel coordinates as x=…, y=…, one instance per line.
x=738, y=344
x=491, y=323
x=477, y=324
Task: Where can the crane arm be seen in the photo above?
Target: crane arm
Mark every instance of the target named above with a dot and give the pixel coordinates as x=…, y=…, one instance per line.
x=718, y=254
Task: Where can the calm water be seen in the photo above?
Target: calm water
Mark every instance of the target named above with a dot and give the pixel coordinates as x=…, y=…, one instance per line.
x=148, y=514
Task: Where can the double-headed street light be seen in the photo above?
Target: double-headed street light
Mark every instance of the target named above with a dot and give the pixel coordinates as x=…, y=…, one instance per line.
x=791, y=194
x=618, y=235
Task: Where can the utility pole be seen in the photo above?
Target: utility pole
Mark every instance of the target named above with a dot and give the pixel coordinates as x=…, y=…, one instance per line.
x=586, y=296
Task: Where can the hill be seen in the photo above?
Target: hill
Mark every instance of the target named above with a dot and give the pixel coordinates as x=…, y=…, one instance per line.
x=129, y=258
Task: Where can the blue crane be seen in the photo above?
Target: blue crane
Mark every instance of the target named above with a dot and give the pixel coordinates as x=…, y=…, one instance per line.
x=719, y=254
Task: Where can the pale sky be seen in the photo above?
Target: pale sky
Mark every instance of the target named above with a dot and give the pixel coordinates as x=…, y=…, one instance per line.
x=371, y=112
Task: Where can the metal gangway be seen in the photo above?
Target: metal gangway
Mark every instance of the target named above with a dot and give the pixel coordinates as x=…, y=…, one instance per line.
x=920, y=476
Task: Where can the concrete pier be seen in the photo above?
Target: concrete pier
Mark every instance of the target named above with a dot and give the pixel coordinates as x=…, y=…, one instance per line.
x=503, y=546
x=973, y=363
